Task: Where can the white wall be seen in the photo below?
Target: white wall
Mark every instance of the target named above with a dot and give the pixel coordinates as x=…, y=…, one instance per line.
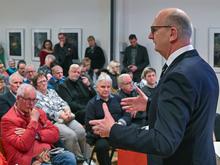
x=92, y=16
x=138, y=16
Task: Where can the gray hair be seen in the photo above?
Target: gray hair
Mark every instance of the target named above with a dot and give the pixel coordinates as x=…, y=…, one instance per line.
x=13, y=76
x=21, y=90
x=104, y=76
x=11, y=60
x=74, y=66
x=121, y=77
x=181, y=21
x=29, y=66
x=50, y=56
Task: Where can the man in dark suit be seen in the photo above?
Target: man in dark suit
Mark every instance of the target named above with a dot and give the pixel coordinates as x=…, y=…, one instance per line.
x=135, y=58
x=8, y=99
x=182, y=111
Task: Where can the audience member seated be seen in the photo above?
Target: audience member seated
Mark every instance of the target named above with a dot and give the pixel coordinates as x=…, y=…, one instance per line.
x=57, y=77
x=94, y=111
x=26, y=131
x=3, y=88
x=127, y=89
x=114, y=71
x=21, y=68
x=46, y=68
x=76, y=91
x=47, y=48
x=84, y=67
x=71, y=132
x=11, y=67
x=149, y=81
x=3, y=72
x=30, y=72
x=8, y=99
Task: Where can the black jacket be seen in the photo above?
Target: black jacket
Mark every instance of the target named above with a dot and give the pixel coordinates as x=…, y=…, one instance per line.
x=141, y=61
x=6, y=102
x=77, y=95
x=94, y=111
x=96, y=56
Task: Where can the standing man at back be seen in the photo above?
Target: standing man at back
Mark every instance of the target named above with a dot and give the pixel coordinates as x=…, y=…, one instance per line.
x=65, y=53
x=183, y=109
x=135, y=58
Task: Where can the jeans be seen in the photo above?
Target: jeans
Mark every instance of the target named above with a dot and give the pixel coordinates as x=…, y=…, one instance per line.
x=65, y=158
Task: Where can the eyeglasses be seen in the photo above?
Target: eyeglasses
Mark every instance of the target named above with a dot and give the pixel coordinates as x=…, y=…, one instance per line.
x=42, y=81
x=31, y=71
x=128, y=83
x=30, y=100
x=155, y=28
x=59, y=73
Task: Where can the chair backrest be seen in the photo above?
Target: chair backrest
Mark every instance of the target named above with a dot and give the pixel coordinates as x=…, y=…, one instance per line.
x=217, y=127
x=112, y=151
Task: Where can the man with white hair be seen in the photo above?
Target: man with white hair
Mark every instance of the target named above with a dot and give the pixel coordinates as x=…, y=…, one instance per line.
x=26, y=131
x=76, y=91
x=8, y=99
x=94, y=111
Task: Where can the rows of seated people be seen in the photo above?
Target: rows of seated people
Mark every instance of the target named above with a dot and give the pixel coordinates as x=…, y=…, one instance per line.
x=70, y=95
x=70, y=101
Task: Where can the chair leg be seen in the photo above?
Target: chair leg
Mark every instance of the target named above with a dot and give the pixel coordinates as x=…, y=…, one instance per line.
x=112, y=153
x=91, y=157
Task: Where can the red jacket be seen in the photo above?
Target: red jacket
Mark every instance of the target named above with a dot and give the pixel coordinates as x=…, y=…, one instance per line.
x=42, y=55
x=21, y=149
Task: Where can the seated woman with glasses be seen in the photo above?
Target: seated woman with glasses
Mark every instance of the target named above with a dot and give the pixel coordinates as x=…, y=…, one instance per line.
x=71, y=132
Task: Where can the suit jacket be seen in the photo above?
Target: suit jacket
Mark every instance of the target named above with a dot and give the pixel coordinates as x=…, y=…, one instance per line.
x=181, y=116
x=6, y=102
x=141, y=61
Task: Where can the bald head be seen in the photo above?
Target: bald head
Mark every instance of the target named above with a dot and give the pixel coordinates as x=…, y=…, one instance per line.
x=178, y=18
x=170, y=31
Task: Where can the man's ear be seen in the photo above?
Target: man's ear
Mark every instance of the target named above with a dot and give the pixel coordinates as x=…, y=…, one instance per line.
x=173, y=34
